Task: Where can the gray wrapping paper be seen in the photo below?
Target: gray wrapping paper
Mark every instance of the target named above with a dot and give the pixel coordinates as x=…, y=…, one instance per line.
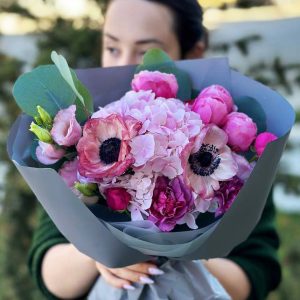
x=115, y=245
x=182, y=280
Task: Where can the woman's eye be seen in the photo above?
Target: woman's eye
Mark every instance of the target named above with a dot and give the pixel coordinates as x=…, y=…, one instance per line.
x=113, y=51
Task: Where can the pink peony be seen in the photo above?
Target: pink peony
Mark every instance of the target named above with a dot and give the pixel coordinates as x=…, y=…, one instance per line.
x=262, y=140
x=69, y=172
x=172, y=200
x=66, y=131
x=161, y=84
x=117, y=198
x=208, y=160
x=220, y=93
x=104, y=149
x=226, y=194
x=49, y=154
x=211, y=110
x=241, y=131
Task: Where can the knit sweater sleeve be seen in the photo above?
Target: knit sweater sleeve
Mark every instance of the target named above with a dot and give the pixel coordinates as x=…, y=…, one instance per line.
x=46, y=236
x=257, y=255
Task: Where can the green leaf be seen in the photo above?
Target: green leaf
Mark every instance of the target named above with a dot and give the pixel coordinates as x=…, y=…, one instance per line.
x=158, y=60
x=43, y=86
x=254, y=110
x=82, y=111
x=65, y=72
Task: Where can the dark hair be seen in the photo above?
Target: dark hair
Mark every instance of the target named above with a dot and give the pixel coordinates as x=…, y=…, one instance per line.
x=188, y=17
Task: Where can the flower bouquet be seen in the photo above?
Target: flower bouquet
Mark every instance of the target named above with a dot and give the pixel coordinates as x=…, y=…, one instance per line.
x=174, y=156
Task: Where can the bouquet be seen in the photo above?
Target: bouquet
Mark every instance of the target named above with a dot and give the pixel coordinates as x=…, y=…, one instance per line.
x=172, y=159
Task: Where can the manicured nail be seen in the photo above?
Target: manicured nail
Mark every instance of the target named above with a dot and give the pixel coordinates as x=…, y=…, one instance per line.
x=156, y=271
x=128, y=287
x=146, y=280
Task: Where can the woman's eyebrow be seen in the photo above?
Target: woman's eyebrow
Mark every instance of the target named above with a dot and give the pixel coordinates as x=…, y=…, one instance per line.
x=149, y=41
x=111, y=37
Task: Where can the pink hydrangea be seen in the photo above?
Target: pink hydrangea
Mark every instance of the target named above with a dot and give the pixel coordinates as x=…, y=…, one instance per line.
x=262, y=140
x=66, y=131
x=161, y=84
x=207, y=160
x=172, y=200
x=49, y=154
x=241, y=131
x=104, y=149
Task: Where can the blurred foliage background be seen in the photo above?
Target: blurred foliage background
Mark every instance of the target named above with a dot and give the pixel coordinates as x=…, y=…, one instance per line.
x=78, y=39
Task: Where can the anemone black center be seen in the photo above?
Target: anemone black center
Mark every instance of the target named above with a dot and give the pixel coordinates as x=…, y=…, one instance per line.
x=205, y=161
x=109, y=150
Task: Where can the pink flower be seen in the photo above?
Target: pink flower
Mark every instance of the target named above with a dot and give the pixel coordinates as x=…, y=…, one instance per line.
x=244, y=167
x=142, y=148
x=211, y=110
x=117, y=198
x=208, y=160
x=69, y=172
x=161, y=84
x=48, y=154
x=104, y=149
x=66, y=131
x=241, y=131
x=226, y=194
x=218, y=92
x=172, y=200
x=262, y=140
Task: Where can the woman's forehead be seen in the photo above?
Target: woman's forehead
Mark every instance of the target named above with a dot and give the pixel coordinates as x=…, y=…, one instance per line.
x=138, y=21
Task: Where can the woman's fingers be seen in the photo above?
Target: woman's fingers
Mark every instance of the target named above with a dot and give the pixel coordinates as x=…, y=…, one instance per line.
x=115, y=281
x=146, y=268
x=132, y=276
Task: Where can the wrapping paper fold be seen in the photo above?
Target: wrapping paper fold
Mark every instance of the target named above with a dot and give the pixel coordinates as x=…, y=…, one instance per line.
x=117, y=243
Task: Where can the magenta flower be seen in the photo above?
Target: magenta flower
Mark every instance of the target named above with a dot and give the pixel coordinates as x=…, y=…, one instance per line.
x=211, y=110
x=49, y=154
x=117, y=198
x=241, y=131
x=66, y=131
x=208, y=160
x=104, y=149
x=226, y=194
x=262, y=140
x=69, y=172
x=218, y=92
x=172, y=200
x=161, y=84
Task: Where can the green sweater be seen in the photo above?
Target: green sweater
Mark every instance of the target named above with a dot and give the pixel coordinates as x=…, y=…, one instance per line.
x=257, y=256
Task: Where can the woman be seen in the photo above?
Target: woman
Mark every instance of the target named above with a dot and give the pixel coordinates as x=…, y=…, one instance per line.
x=251, y=270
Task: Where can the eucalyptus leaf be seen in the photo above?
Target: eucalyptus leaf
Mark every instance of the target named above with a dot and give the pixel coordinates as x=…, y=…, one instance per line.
x=43, y=86
x=65, y=72
x=254, y=110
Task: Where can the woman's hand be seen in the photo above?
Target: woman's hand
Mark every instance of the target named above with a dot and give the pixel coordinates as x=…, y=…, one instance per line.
x=124, y=277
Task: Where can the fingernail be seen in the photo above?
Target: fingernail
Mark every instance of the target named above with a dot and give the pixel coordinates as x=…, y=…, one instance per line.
x=128, y=287
x=156, y=271
x=146, y=280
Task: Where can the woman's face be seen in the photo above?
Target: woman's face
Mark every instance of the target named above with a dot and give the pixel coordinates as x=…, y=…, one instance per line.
x=134, y=26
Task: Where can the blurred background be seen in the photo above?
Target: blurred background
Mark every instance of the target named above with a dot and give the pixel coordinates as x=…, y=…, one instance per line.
x=261, y=39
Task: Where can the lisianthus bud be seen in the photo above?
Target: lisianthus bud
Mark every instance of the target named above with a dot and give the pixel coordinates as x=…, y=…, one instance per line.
x=45, y=117
x=87, y=189
x=41, y=133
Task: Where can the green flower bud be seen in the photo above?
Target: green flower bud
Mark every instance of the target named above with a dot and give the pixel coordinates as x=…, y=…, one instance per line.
x=38, y=121
x=87, y=189
x=45, y=117
x=41, y=133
